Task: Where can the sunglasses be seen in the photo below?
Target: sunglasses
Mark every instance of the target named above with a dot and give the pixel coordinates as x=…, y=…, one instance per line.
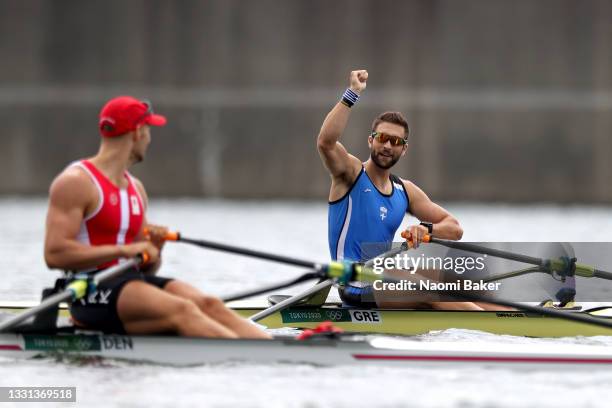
x=384, y=138
x=149, y=111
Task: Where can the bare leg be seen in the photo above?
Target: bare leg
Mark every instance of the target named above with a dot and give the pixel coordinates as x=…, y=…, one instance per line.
x=417, y=299
x=216, y=309
x=455, y=306
x=146, y=309
x=494, y=307
x=429, y=305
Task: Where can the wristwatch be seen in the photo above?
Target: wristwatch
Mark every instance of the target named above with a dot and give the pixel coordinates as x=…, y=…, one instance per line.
x=429, y=226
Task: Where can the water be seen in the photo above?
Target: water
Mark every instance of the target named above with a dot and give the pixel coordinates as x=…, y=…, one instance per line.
x=297, y=230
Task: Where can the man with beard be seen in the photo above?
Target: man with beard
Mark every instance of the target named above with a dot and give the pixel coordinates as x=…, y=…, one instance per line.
x=367, y=203
x=96, y=219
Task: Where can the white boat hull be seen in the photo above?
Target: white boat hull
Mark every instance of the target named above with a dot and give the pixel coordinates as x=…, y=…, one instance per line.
x=325, y=352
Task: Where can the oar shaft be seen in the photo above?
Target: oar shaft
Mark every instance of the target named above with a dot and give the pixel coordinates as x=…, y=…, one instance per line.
x=21, y=317
x=602, y=274
x=249, y=252
x=292, y=300
x=479, y=249
x=391, y=253
x=514, y=274
x=116, y=270
x=558, y=264
x=342, y=271
x=578, y=317
x=265, y=289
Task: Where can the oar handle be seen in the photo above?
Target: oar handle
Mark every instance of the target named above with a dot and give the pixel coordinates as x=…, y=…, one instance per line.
x=173, y=236
x=408, y=237
x=170, y=235
x=144, y=258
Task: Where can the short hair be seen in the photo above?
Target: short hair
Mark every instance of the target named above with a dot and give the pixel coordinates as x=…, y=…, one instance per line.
x=391, y=117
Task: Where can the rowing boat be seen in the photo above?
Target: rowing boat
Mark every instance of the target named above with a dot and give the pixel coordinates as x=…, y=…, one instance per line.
x=321, y=351
x=413, y=322
x=47, y=335
x=410, y=321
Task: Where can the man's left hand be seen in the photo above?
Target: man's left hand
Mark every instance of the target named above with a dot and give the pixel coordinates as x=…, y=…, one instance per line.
x=156, y=234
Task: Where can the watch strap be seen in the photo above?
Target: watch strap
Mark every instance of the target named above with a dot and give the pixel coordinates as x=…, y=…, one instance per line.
x=428, y=225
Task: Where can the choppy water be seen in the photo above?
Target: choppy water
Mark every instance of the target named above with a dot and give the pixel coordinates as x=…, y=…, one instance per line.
x=299, y=230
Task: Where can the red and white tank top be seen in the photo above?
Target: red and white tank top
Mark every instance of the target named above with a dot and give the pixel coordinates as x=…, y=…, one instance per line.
x=119, y=216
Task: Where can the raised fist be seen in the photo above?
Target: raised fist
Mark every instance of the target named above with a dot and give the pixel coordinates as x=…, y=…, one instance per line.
x=358, y=80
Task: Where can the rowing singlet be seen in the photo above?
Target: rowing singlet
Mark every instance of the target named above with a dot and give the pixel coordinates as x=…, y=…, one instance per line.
x=119, y=216
x=365, y=217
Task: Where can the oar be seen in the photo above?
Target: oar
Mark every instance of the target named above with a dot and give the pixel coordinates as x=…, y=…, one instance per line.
x=346, y=272
x=75, y=290
x=292, y=300
x=341, y=271
x=392, y=252
x=545, y=311
x=560, y=265
x=323, y=285
x=176, y=236
x=266, y=289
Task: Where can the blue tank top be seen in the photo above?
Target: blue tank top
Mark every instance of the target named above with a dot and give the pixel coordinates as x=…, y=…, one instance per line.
x=362, y=224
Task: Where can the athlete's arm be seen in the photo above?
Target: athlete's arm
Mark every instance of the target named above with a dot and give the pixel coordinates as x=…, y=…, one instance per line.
x=444, y=224
x=342, y=166
x=70, y=197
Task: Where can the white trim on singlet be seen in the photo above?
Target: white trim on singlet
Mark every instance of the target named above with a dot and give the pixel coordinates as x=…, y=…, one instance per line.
x=124, y=203
x=97, y=184
x=345, y=227
x=133, y=183
x=124, y=209
x=135, y=187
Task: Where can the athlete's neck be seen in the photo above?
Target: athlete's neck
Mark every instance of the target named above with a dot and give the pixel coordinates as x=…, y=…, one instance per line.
x=113, y=160
x=378, y=175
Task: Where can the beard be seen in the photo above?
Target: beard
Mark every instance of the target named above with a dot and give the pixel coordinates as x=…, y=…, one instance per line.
x=136, y=157
x=378, y=160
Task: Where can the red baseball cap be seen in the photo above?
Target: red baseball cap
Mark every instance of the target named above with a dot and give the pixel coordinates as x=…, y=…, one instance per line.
x=124, y=114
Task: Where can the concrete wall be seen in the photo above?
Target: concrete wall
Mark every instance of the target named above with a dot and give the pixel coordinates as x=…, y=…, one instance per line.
x=507, y=100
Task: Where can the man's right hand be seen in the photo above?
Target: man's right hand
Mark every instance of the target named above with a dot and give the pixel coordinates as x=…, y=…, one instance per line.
x=137, y=248
x=358, y=80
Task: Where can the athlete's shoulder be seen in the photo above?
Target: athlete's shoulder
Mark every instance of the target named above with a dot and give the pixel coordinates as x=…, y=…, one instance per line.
x=72, y=184
x=73, y=176
x=414, y=192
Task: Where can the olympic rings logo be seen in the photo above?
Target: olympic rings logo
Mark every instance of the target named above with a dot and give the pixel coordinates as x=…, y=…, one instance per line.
x=83, y=344
x=334, y=315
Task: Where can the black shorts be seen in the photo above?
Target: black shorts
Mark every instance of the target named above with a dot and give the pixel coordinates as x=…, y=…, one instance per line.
x=98, y=310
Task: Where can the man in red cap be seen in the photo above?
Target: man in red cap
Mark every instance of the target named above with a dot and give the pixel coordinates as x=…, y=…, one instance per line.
x=96, y=218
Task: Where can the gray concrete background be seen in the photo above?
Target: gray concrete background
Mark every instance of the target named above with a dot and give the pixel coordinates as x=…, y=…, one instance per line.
x=507, y=100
